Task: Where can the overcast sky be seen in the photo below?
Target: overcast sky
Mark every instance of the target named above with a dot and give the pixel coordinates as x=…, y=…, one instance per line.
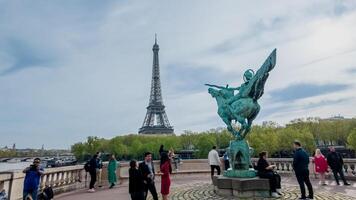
x=72, y=69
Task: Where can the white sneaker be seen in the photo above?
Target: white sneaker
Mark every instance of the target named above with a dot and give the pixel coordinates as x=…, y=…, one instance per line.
x=275, y=195
x=91, y=190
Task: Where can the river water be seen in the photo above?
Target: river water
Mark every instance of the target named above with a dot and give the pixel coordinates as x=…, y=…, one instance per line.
x=13, y=166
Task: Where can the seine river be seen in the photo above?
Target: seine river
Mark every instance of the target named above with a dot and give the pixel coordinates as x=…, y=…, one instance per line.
x=13, y=166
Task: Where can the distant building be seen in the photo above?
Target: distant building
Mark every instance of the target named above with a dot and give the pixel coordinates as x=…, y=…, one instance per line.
x=334, y=118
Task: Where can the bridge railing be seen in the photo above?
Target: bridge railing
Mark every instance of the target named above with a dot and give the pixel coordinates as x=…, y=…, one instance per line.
x=61, y=179
x=285, y=166
x=5, y=181
x=349, y=167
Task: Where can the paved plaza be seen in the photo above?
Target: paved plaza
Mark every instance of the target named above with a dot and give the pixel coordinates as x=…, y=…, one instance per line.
x=200, y=188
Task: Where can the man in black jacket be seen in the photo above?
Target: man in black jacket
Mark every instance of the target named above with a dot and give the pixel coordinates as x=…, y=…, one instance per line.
x=336, y=164
x=92, y=172
x=300, y=166
x=148, y=171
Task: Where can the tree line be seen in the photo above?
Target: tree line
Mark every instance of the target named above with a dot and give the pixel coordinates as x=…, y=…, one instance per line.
x=271, y=137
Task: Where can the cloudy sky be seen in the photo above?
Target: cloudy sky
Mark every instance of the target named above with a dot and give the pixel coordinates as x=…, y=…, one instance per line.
x=71, y=69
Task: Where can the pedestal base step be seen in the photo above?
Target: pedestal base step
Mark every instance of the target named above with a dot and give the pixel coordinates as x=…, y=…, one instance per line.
x=246, y=188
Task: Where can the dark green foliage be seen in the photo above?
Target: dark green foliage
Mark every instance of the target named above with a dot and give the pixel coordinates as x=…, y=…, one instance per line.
x=270, y=137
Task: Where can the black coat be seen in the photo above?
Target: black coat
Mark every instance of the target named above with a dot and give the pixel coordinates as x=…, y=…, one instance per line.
x=146, y=171
x=300, y=161
x=135, y=181
x=93, y=165
x=262, y=164
x=335, y=160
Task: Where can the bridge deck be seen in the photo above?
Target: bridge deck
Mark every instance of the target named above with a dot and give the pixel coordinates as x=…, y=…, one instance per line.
x=184, y=185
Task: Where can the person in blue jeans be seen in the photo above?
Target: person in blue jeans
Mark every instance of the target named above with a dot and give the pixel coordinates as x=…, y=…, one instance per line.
x=300, y=166
x=32, y=179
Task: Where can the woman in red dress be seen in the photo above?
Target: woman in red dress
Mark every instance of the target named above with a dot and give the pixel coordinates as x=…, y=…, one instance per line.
x=166, y=170
x=320, y=165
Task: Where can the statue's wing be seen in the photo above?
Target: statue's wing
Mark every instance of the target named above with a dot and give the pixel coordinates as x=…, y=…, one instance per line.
x=255, y=87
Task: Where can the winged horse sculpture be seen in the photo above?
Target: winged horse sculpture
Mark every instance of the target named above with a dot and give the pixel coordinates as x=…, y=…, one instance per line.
x=243, y=107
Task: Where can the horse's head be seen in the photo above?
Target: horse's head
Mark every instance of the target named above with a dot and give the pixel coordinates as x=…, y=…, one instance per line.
x=214, y=92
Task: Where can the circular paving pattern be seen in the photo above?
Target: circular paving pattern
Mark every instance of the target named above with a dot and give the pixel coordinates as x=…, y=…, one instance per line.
x=206, y=192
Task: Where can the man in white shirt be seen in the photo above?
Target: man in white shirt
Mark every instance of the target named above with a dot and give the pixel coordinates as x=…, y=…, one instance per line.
x=214, y=161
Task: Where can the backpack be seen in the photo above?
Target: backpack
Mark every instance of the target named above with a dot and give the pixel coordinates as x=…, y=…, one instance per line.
x=87, y=166
x=47, y=194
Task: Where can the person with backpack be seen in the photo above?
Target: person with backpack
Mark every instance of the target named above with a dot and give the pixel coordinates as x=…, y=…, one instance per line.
x=91, y=167
x=32, y=179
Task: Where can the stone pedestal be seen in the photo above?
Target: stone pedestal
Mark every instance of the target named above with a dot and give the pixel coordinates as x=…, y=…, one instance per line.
x=242, y=188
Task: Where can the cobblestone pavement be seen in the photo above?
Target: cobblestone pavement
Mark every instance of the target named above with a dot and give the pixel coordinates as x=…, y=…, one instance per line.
x=205, y=192
x=198, y=187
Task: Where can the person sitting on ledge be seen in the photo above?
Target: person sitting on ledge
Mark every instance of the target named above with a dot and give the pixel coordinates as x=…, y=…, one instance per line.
x=265, y=170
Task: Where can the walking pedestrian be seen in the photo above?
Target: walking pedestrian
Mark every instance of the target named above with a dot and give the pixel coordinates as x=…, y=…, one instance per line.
x=99, y=169
x=32, y=179
x=320, y=165
x=214, y=161
x=148, y=171
x=265, y=170
x=336, y=163
x=166, y=170
x=92, y=171
x=300, y=166
x=226, y=161
x=172, y=156
x=161, y=150
x=136, y=184
x=112, y=167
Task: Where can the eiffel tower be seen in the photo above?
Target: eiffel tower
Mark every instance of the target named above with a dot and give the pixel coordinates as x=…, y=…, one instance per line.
x=156, y=120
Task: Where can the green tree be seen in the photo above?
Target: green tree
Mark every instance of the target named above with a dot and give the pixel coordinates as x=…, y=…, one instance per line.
x=263, y=139
x=204, y=145
x=78, y=149
x=351, y=139
x=287, y=136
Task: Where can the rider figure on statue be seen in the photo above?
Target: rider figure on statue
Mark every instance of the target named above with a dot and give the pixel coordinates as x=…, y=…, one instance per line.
x=229, y=92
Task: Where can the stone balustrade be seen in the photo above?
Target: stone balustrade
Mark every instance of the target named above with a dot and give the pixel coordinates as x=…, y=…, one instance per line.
x=61, y=179
x=349, y=167
x=64, y=179
x=285, y=166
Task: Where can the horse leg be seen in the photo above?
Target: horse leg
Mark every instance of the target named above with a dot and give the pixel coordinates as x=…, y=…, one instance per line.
x=228, y=124
x=251, y=118
x=242, y=121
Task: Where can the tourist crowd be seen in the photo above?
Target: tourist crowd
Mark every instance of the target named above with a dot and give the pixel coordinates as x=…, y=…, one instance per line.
x=142, y=175
x=301, y=168
x=333, y=160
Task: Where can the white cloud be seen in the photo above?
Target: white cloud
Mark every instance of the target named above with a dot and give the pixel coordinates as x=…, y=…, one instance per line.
x=97, y=80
